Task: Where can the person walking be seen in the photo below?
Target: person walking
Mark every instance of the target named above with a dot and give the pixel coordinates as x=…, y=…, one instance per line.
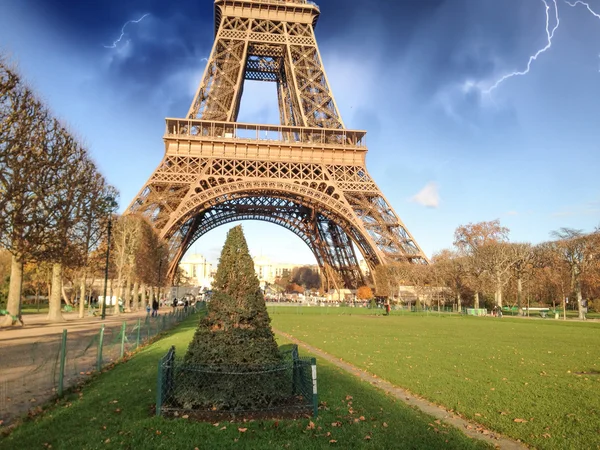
x=387, y=307
x=154, y=308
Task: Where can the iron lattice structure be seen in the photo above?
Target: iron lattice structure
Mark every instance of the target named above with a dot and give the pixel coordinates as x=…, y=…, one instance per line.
x=307, y=174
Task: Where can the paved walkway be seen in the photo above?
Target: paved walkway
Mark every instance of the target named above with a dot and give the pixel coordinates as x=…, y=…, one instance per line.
x=29, y=355
x=37, y=325
x=471, y=429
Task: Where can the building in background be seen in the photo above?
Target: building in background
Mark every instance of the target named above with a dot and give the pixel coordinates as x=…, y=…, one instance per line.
x=267, y=271
x=198, y=270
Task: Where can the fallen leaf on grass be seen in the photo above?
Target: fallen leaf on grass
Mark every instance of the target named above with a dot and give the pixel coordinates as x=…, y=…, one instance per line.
x=332, y=441
x=362, y=418
x=185, y=416
x=242, y=430
x=367, y=437
x=222, y=428
x=310, y=426
x=519, y=420
x=385, y=425
x=348, y=397
x=336, y=424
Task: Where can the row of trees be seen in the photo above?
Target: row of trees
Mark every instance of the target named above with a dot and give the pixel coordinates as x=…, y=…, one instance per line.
x=55, y=209
x=53, y=200
x=484, y=262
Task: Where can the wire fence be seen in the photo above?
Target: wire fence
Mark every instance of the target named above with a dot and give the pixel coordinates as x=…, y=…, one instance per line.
x=288, y=389
x=32, y=373
x=354, y=309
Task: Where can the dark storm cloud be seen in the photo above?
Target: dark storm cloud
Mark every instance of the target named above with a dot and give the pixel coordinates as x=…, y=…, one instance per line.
x=434, y=44
x=174, y=37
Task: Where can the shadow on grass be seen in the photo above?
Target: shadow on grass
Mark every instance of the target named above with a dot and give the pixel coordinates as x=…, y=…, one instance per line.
x=114, y=410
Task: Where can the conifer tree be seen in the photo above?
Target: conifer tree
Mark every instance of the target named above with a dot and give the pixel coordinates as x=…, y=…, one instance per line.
x=234, y=336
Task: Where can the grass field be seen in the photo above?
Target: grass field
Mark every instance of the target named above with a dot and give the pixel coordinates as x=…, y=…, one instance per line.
x=114, y=411
x=534, y=380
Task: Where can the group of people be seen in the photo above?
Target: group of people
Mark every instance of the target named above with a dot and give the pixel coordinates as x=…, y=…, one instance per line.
x=183, y=302
x=153, y=309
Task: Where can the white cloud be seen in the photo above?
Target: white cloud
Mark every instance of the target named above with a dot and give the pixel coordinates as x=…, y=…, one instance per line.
x=428, y=196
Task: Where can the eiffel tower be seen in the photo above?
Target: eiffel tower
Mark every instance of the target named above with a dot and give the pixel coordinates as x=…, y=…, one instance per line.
x=307, y=174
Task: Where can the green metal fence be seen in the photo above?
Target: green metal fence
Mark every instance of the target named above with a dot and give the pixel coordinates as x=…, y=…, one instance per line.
x=215, y=392
x=37, y=369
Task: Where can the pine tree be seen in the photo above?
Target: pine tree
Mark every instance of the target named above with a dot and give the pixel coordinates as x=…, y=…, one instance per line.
x=234, y=336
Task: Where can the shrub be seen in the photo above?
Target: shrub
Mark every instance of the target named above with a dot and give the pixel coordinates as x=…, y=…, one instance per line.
x=235, y=336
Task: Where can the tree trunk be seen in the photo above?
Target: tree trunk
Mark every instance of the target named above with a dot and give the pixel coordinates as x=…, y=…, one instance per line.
x=82, y=297
x=499, y=296
x=519, y=294
x=14, y=291
x=151, y=300
x=458, y=302
x=476, y=300
x=37, y=298
x=119, y=296
x=54, y=302
x=143, y=288
x=127, y=297
x=579, y=299
x=136, y=296
x=63, y=293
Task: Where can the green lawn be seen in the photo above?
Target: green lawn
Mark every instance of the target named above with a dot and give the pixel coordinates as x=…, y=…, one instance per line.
x=534, y=380
x=114, y=411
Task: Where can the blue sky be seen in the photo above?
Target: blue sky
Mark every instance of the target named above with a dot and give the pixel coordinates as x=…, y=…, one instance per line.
x=413, y=73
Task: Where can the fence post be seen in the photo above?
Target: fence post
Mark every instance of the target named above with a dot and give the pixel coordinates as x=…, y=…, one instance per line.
x=123, y=329
x=313, y=363
x=139, y=329
x=100, y=343
x=164, y=322
x=63, y=357
x=159, y=385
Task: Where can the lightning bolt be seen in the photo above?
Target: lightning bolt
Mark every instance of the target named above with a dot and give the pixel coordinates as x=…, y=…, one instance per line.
x=114, y=44
x=549, y=34
x=589, y=8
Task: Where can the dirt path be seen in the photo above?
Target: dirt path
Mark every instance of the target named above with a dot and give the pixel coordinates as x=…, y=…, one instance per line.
x=29, y=355
x=471, y=429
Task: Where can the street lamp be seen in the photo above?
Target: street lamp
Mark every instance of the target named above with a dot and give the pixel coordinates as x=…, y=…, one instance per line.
x=112, y=204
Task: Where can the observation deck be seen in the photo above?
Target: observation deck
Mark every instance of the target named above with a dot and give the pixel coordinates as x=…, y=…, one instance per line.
x=258, y=141
x=278, y=10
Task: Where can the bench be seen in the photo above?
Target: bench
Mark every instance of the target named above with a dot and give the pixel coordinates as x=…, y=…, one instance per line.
x=542, y=311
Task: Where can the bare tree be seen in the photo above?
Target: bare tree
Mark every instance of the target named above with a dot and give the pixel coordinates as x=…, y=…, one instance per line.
x=24, y=160
x=128, y=237
x=452, y=271
x=522, y=268
x=471, y=240
x=580, y=252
